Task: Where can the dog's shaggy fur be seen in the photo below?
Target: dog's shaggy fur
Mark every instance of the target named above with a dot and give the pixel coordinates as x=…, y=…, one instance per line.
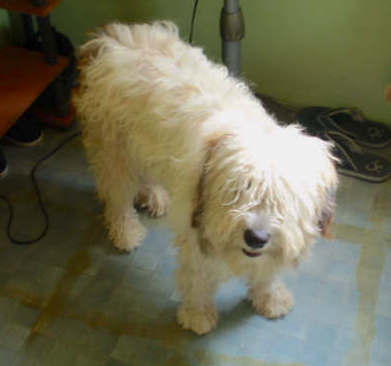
x=171, y=131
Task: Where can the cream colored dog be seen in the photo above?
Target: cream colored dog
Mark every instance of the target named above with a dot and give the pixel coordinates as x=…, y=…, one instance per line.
x=171, y=131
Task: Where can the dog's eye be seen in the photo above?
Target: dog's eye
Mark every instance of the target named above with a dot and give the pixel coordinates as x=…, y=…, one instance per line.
x=249, y=185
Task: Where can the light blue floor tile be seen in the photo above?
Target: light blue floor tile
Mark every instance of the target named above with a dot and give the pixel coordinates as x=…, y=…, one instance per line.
x=313, y=356
x=356, y=199
x=7, y=356
x=37, y=351
x=85, y=361
x=231, y=294
x=141, y=351
x=380, y=352
x=145, y=260
x=383, y=329
x=294, y=324
x=342, y=344
x=112, y=362
x=383, y=305
x=321, y=335
x=13, y=336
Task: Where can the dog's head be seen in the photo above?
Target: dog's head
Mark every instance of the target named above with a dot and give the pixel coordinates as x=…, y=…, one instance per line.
x=267, y=195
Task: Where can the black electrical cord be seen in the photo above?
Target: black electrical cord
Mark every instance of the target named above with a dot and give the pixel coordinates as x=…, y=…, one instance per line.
x=193, y=16
x=39, y=197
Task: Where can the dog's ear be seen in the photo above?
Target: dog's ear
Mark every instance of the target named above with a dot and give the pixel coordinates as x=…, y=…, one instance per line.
x=199, y=197
x=327, y=217
x=325, y=224
x=203, y=243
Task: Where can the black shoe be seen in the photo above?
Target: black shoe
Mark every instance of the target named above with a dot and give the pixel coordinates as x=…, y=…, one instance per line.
x=25, y=132
x=3, y=165
x=353, y=160
x=349, y=122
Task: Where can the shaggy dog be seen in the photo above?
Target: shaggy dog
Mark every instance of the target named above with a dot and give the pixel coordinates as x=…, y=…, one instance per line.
x=168, y=130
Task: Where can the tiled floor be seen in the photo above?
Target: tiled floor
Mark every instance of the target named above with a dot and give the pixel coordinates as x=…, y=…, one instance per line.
x=71, y=299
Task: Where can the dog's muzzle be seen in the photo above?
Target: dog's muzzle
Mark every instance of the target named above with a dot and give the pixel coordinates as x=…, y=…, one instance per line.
x=255, y=239
x=251, y=254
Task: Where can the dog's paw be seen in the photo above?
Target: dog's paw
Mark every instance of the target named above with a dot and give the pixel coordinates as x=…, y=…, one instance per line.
x=126, y=246
x=200, y=321
x=273, y=304
x=154, y=200
x=128, y=238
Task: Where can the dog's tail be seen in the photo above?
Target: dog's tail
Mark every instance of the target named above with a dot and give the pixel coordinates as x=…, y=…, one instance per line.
x=155, y=35
x=145, y=35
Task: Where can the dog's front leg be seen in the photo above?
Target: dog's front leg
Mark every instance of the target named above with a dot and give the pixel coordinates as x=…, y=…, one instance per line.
x=269, y=296
x=197, y=279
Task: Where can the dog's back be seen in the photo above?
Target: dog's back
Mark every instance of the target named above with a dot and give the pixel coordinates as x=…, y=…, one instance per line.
x=157, y=97
x=149, y=67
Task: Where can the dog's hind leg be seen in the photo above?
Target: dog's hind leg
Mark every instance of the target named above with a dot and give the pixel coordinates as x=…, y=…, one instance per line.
x=197, y=279
x=123, y=224
x=154, y=199
x=117, y=189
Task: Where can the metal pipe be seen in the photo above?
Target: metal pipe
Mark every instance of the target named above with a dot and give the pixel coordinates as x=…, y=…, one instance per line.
x=231, y=57
x=231, y=6
x=232, y=31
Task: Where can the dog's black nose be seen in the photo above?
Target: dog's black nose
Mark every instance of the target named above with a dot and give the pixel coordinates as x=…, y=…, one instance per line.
x=256, y=239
